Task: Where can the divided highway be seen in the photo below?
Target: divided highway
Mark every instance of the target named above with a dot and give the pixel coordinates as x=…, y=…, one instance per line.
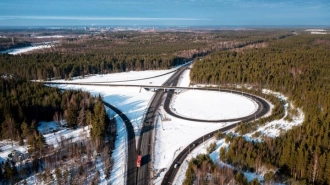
x=141, y=176
x=145, y=145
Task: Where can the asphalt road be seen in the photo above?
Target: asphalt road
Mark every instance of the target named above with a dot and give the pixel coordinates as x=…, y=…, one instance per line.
x=131, y=145
x=171, y=172
x=263, y=108
x=141, y=175
x=146, y=143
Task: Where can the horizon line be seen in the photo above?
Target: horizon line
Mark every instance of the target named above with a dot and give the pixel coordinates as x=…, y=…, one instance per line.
x=102, y=18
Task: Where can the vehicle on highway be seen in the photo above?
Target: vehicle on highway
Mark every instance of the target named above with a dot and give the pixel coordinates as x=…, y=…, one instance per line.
x=138, y=161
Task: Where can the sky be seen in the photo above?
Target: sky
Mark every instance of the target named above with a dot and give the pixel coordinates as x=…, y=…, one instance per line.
x=164, y=12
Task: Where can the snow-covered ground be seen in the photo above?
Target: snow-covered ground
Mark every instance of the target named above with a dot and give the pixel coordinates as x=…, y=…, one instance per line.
x=130, y=76
x=132, y=101
x=271, y=129
x=54, y=133
x=175, y=134
x=7, y=147
x=201, y=149
x=276, y=127
x=119, y=155
x=50, y=36
x=317, y=31
x=212, y=105
x=184, y=80
x=172, y=134
x=24, y=49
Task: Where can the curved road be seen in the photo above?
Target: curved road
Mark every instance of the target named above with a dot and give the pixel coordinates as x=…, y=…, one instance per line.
x=263, y=107
x=131, y=143
x=142, y=175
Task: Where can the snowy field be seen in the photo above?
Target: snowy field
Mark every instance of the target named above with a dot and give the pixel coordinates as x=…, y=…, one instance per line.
x=271, y=129
x=24, y=49
x=212, y=105
x=132, y=101
x=50, y=36
x=171, y=136
x=175, y=134
x=317, y=31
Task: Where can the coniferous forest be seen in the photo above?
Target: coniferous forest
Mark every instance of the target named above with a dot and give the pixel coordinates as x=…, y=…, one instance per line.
x=281, y=60
x=24, y=104
x=299, y=68
x=120, y=52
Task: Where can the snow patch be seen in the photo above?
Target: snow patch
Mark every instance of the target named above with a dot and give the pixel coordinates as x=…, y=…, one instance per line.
x=54, y=134
x=119, y=155
x=50, y=36
x=25, y=49
x=212, y=105
x=8, y=147
x=276, y=127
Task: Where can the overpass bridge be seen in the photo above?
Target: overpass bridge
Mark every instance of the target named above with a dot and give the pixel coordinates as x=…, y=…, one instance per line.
x=147, y=87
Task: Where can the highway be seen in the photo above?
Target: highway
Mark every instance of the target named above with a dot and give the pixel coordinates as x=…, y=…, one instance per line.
x=131, y=145
x=145, y=144
x=141, y=176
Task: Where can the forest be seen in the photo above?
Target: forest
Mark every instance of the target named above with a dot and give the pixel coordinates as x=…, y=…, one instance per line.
x=297, y=67
x=126, y=51
x=24, y=104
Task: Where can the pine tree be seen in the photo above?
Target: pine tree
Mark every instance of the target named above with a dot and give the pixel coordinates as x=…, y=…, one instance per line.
x=8, y=172
x=25, y=129
x=82, y=117
x=98, y=124
x=1, y=173
x=255, y=181
x=327, y=170
x=71, y=116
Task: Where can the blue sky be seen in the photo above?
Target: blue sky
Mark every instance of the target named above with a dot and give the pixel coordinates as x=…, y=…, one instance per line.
x=164, y=12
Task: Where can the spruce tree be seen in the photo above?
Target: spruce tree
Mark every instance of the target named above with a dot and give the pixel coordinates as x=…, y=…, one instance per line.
x=71, y=116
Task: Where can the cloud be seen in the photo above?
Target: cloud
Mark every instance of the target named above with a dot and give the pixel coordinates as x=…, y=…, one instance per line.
x=84, y=18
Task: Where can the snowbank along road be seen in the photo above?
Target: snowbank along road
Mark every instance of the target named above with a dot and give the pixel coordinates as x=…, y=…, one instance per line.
x=131, y=155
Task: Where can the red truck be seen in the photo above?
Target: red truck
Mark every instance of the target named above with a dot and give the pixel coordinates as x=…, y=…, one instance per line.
x=138, y=161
